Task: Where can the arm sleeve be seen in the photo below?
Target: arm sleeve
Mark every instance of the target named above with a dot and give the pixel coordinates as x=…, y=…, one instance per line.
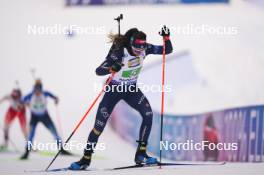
x=112, y=57
x=49, y=94
x=103, y=69
x=27, y=98
x=157, y=50
x=7, y=97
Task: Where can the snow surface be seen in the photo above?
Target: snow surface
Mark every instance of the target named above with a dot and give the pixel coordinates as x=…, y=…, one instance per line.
x=231, y=66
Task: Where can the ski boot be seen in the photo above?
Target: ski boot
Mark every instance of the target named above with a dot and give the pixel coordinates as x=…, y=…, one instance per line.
x=25, y=155
x=141, y=156
x=81, y=164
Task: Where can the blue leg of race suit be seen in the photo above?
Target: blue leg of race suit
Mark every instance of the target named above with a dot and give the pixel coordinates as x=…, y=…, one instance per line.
x=50, y=126
x=33, y=124
x=104, y=110
x=139, y=102
x=32, y=133
x=136, y=100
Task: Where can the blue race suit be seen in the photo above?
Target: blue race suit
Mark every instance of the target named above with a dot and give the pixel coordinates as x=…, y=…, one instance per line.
x=127, y=76
x=39, y=113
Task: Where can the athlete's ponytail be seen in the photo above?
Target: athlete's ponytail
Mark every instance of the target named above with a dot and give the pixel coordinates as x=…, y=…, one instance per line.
x=117, y=40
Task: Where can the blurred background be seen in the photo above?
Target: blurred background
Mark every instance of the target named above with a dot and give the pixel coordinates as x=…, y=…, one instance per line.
x=216, y=68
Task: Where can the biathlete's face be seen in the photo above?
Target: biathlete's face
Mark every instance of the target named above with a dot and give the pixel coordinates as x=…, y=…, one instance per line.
x=38, y=92
x=15, y=95
x=138, y=51
x=138, y=46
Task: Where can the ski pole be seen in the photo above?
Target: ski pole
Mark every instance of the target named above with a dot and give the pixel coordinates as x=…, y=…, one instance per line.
x=162, y=97
x=33, y=73
x=82, y=119
x=17, y=84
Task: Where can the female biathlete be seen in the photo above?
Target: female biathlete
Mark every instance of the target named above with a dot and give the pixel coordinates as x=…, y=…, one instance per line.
x=125, y=59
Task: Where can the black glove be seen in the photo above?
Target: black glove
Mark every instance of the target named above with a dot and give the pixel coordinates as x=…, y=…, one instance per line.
x=116, y=67
x=165, y=31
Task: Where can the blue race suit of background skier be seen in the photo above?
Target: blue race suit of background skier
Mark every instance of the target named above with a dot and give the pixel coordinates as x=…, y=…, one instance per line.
x=125, y=59
x=37, y=102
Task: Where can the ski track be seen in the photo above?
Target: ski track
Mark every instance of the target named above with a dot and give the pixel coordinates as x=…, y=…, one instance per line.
x=115, y=158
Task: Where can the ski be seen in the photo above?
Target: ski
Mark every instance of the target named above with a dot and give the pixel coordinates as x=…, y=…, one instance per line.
x=43, y=171
x=66, y=169
x=56, y=170
x=169, y=164
x=128, y=167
